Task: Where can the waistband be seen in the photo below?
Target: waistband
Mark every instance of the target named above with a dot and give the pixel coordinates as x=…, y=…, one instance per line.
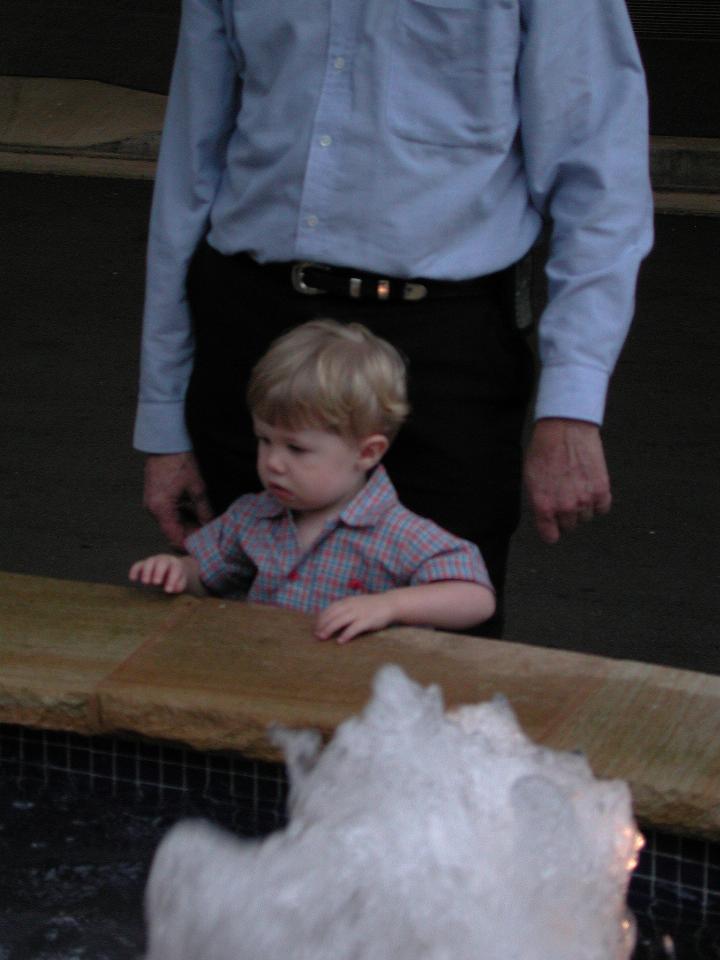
x=309, y=278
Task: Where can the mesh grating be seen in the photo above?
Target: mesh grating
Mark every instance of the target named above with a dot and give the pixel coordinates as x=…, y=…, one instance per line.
x=676, y=883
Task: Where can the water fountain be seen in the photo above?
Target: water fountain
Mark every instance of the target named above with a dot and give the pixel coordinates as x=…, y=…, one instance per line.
x=413, y=834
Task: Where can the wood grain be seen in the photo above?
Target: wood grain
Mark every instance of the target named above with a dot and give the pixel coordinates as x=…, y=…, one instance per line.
x=215, y=674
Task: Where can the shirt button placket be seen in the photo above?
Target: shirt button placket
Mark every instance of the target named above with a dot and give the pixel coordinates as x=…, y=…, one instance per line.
x=321, y=172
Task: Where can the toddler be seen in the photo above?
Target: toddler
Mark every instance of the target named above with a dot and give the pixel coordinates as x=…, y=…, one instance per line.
x=328, y=535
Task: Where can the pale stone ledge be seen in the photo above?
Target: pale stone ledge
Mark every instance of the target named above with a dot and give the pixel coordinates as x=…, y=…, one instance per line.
x=215, y=674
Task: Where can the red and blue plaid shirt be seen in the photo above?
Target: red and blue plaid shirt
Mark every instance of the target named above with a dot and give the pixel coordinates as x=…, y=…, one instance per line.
x=251, y=551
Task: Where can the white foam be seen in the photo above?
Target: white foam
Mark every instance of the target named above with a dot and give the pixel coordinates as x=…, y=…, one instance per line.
x=414, y=835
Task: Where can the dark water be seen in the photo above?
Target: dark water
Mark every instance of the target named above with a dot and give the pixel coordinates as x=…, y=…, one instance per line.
x=73, y=871
x=73, y=867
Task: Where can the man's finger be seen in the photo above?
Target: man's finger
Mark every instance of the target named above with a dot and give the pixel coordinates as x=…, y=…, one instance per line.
x=203, y=510
x=603, y=501
x=170, y=525
x=544, y=516
x=567, y=520
x=566, y=476
x=547, y=527
x=173, y=482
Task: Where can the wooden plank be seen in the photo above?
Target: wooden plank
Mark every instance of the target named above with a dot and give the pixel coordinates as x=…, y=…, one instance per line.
x=59, y=639
x=219, y=677
x=117, y=168
x=52, y=112
x=78, y=128
x=214, y=674
x=659, y=729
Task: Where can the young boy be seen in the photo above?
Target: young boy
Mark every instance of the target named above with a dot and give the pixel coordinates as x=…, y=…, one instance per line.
x=328, y=534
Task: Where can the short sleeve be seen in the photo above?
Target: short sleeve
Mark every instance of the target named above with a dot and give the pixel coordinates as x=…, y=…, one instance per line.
x=428, y=553
x=225, y=568
x=459, y=560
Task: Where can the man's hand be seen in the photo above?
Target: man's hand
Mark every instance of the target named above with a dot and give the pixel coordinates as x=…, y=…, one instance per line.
x=175, y=495
x=565, y=475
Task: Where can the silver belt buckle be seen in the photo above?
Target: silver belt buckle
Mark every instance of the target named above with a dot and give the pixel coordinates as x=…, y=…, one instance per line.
x=296, y=276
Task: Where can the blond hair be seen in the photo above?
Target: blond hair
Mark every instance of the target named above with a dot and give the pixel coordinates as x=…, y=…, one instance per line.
x=336, y=376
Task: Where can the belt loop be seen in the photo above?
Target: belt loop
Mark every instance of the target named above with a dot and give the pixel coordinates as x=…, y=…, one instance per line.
x=414, y=291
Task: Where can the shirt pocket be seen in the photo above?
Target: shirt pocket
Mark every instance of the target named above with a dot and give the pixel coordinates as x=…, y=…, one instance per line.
x=452, y=73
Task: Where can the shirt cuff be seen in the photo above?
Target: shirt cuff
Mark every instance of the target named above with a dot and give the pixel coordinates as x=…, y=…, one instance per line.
x=572, y=392
x=160, y=428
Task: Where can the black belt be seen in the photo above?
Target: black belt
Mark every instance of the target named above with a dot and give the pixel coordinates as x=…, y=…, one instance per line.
x=316, y=279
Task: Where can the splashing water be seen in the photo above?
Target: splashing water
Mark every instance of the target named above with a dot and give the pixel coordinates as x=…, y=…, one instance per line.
x=414, y=835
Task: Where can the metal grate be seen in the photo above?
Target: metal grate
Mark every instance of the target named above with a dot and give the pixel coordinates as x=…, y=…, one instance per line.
x=678, y=878
x=676, y=19
x=676, y=885
x=147, y=770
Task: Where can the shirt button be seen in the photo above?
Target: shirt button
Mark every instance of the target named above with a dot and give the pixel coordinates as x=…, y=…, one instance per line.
x=339, y=63
x=325, y=140
x=312, y=221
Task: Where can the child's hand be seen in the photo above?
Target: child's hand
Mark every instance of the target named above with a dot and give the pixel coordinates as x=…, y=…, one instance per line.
x=163, y=570
x=346, y=618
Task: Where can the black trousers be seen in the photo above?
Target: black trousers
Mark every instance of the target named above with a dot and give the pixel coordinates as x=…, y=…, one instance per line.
x=458, y=458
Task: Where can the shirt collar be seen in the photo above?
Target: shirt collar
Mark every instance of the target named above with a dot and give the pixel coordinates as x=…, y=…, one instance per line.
x=364, y=510
x=375, y=499
x=268, y=506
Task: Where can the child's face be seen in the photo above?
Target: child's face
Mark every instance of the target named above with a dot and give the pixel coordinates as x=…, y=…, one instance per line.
x=310, y=469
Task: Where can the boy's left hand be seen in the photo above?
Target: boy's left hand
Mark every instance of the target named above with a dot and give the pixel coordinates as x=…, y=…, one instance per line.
x=346, y=618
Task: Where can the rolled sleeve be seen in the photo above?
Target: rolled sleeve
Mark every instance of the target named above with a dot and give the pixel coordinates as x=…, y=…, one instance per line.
x=202, y=105
x=583, y=104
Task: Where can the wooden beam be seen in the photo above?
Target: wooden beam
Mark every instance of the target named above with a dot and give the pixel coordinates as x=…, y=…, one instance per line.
x=215, y=674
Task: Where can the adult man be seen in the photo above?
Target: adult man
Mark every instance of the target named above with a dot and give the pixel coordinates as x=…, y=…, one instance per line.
x=396, y=141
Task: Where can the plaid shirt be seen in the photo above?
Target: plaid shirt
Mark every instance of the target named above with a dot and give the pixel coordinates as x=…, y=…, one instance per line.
x=375, y=544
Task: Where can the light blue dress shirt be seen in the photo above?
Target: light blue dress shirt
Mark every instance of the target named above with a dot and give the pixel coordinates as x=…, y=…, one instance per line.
x=410, y=138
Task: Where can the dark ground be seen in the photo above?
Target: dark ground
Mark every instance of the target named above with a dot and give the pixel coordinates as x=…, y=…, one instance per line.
x=75, y=867
x=643, y=583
